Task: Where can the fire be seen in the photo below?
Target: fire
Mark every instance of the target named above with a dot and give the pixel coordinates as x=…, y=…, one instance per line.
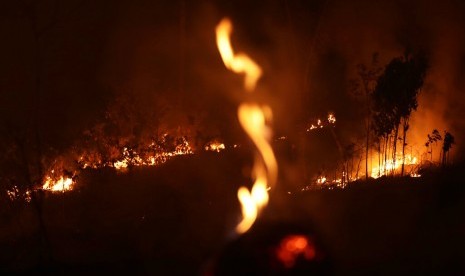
x=321, y=180
x=215, y=146
x=239, y=63
x=61, y=185
x=331, y=120
x=391, y=166
x=122, y=164
x=253, y=119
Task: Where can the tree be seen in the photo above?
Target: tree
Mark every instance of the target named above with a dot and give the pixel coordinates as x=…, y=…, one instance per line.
x=25, y=140
x=396, y=96
x=446, y=146
x=365, y=87
x=433, y=138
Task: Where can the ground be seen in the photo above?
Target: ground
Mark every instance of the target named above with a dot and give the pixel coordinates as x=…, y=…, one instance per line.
x=179, y=218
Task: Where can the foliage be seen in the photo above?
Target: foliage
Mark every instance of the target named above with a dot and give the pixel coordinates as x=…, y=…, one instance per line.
x=446, y=146
x=395, y=97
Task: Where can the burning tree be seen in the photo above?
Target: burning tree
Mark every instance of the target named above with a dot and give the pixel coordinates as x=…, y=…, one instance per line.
x=365, y=87
x=395, y=97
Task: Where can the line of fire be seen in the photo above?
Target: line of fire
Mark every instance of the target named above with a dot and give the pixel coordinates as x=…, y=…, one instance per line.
x=212, y=137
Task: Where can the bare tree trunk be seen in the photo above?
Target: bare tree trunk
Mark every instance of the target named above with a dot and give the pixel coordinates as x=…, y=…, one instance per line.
x=431, y=152
x=444, y=158
x=352, y=168
x=394, y=150
x=366, y=154
x=386, y=152
x=358, y=166
x=379, y=158
x=404, y=143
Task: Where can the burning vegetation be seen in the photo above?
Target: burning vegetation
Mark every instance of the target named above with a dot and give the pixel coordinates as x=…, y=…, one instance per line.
x=167, y=91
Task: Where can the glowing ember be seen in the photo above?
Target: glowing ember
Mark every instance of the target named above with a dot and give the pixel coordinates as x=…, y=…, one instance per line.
x=253, y=119
x=321, y=180
x=331, y=120
x=215, y=146
x=60, y=185
x=54, y=182
x=123, y=164
x=293, y=247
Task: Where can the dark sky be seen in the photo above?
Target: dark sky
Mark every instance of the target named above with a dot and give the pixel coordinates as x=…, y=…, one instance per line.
x=91, y=51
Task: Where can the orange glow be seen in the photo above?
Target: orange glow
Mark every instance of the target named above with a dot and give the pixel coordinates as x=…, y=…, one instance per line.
x=331, y=120
x=391, y=166
x=294, y=246
x=253, y=119
x=321, y=180
x=239, y=63
x=252, y=202
x=122, y=164
x=55, y=183
x=215, y=146
x=61, y=185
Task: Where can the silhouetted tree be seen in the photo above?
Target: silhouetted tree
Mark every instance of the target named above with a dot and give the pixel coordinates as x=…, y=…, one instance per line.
x=395, y=96
x=446, y=146
x=383, y=125
x=43, y=18
x=433, y=138
x=364, y=87
x=348, y=161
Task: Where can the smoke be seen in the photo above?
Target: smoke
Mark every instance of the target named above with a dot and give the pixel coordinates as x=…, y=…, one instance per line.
x=435, y=28
x=309, y=51
x=163, y=53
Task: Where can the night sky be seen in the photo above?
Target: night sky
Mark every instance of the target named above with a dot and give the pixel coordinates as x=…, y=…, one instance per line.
x=87, y=53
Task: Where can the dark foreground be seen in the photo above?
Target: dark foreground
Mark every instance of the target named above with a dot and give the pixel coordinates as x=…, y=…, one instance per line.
x=179, y=219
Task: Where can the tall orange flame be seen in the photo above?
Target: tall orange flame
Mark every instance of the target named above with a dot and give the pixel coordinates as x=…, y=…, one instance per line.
x=253, y=119
x=238, y=63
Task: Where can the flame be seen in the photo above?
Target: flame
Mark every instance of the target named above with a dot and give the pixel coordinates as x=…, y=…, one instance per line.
x=321, y=180
x=391, y=166
x=253, y=119
x=215, y=146
x=239, y=63
x=120, y=164
x=61, y=185
x=331, y=120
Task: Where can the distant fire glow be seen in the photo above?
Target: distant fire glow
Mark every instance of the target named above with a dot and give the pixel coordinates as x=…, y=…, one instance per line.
x=331, y=120
x=55, y=182
x=254, y=119
x=61, y=185
x=215, y=146
x=392, y=167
